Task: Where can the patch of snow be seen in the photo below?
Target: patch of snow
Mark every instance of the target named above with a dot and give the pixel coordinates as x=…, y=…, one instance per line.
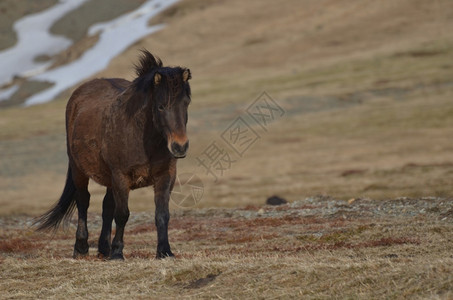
x=34, y=39
x=115, y=37
x=5, y=94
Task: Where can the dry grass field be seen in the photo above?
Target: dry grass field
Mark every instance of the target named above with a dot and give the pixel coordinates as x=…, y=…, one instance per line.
x=314, y=248
x=366, y=88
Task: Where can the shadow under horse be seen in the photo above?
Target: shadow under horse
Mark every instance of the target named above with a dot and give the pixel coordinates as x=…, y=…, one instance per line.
x=123, y=135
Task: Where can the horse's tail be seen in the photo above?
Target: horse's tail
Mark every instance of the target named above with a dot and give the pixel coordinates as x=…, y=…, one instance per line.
x=62, y=210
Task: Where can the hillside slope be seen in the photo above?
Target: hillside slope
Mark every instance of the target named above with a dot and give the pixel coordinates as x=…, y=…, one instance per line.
x=366, y=88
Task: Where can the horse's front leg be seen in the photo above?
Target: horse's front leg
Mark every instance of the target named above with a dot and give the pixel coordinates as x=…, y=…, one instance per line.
x=162, y=190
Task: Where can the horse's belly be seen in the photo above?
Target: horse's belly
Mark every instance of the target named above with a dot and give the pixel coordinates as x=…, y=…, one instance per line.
x=139, y=176
x=86, y=155
x=85, y=150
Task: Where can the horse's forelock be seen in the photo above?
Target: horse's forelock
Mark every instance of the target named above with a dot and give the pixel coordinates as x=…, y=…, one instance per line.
x=147, y=63
x=144, y=88
x=171, y=81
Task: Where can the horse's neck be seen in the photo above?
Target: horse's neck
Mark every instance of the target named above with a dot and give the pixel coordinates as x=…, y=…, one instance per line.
x=136, y=115
x=152, y=137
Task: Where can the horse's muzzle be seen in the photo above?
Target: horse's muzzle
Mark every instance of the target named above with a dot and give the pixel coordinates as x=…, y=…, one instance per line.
x=178, y=150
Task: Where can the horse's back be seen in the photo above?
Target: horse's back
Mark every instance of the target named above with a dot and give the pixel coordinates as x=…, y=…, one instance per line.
x=85, y=126
x=95, y=95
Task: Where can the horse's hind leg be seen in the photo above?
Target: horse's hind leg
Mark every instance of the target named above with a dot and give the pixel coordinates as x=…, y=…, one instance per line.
x=121, y=214
x=108, y=207
x=82, y=197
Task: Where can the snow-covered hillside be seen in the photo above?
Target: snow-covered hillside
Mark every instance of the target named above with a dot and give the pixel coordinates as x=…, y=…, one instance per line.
x=34, y=40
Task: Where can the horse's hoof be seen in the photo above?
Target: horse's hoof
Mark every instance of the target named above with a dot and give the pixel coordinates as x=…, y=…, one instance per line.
x=104, y=253
x=117, y=256
x=102, y=256
x=166, y=254
x=78, y=255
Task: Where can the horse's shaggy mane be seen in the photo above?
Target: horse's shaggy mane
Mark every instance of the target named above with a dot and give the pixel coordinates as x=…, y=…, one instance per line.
x=147, y=63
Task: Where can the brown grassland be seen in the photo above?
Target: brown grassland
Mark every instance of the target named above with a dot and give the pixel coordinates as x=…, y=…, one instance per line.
x=367, y=91
x=315, y=248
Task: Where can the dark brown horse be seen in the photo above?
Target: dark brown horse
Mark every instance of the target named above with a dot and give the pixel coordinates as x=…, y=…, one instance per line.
x=124, y=135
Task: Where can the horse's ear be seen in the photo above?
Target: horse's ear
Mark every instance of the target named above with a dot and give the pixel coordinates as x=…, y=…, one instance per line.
x=186, y=75
x=157, y=78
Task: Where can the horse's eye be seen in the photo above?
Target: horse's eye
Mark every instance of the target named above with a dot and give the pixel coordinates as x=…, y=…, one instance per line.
x=161, y=107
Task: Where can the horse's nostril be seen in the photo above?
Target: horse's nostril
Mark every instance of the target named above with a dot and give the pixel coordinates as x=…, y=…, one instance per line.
x=185, y=146
x=178, y=149
x=175, y=147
